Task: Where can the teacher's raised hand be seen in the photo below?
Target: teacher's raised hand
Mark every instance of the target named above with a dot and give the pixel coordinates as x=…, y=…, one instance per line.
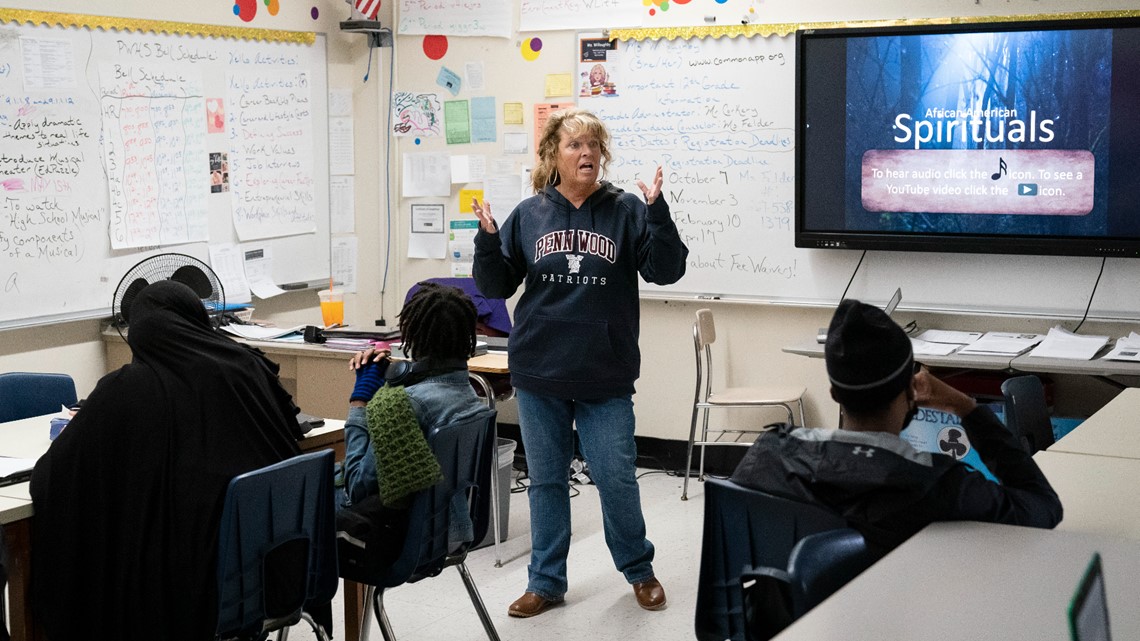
x=483, y=213
x=653, y=191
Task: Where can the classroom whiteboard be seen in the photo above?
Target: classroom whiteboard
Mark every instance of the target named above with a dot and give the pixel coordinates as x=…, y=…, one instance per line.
x=719, y=115
x=116, y=145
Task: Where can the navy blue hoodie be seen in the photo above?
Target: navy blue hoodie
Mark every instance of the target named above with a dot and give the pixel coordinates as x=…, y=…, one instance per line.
x=577, y=322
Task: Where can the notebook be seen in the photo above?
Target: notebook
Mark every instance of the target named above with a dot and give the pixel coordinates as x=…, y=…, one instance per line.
x=1088, y=611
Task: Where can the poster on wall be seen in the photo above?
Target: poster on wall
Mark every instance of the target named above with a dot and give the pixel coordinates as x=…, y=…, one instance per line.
x=597, y=57
x=455, y=18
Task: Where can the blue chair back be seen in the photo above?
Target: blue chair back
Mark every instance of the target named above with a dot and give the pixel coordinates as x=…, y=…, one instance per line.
x=1026, y=413
x=276, y=545
x=25, y=394
x=822, y=563
x=743, y=529
x=466, y=453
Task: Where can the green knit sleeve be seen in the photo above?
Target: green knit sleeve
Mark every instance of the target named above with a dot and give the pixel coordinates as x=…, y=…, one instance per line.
x=404, y=462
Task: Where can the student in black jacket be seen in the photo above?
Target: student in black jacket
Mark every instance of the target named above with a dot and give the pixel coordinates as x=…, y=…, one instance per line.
x=874, y=479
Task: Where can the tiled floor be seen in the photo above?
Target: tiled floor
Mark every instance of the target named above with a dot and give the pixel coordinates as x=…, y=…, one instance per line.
x=600, y=604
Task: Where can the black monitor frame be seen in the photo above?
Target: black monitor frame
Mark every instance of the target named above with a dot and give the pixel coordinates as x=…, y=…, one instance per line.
x=818, y=166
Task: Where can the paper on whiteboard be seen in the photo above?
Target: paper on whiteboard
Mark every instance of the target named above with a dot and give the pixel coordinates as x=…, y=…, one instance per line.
x=342, y=203
x=259, y=270
x=227, y=262
x=344, y=262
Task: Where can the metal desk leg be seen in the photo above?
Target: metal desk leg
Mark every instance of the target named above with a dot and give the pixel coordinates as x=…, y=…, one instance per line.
x=489, y=394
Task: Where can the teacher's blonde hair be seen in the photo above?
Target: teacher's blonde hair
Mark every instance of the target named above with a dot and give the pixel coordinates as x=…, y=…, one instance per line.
x=575, y=122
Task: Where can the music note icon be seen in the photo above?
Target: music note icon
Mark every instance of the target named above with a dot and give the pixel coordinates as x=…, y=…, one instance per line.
x=1001, y=169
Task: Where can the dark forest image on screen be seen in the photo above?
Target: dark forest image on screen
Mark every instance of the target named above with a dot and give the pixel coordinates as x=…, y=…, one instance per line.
x=997, y=133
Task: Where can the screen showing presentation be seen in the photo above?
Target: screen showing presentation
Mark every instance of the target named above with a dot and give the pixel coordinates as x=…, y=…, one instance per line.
x=1005, y=138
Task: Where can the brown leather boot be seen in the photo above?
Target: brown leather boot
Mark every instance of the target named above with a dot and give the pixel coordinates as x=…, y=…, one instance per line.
x=531, y=604
x=650, y=595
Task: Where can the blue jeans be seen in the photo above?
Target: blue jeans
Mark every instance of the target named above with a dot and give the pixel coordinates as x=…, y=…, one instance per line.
x=605, y=429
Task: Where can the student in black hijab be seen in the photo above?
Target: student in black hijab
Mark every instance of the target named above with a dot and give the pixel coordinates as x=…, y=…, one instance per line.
x=128, y=498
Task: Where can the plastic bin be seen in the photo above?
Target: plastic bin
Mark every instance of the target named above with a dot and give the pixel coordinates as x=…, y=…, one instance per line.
x=506, y=462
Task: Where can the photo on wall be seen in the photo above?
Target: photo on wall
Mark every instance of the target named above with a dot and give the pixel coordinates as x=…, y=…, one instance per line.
x=596, y=66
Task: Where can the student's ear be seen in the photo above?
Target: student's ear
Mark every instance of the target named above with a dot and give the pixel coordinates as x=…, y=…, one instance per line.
x=833, y=396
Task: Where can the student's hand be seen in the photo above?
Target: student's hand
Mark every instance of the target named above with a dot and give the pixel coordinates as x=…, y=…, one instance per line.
x=370, y=355
x=369, y=378
x=931, y=392
x=483, y=213
x=653, y=191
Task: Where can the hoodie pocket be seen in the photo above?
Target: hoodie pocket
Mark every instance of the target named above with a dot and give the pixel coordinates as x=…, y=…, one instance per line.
x=576, y=350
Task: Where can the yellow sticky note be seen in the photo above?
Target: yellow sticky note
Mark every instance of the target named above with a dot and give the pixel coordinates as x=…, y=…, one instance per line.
x=465, y=196
x=559, y=85
x=512, y=113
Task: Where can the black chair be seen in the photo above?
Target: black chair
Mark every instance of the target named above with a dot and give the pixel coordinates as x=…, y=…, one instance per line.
x=277, y=547
x=466, y=452
x=1026, y=413
x=26, y=394
x=819, y=565
x=745, y=529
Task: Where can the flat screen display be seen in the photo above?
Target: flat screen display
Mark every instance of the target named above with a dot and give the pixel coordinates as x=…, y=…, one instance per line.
x=1011, y=137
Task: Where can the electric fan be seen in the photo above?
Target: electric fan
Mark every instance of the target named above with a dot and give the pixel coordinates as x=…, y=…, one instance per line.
x=184, y=269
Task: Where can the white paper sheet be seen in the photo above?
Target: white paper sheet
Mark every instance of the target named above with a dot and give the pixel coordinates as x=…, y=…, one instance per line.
x=1061, y=343
x=422, y=245
x=426, y=174
x=48, y=64
x=427, y=218
x=257, y=333
x=949, y=336
x=259, y=270
x=344, y=262
x=928, y=348
x=10, y=465
x=1127, y=348
x=342, y=200
x=503, y=193
x=470, y=168
x=341, y=147
x=272, y=191
x=1002, y=344
x=515, y=142
x=340, y=102
x=474, y=72
x=228, y=262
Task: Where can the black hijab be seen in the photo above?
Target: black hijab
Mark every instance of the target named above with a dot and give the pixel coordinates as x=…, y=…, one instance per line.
x=128, y=499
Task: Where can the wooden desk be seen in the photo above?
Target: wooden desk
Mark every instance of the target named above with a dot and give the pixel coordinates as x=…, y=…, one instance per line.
x=318, y=378
x=966, y=580
x=1111, y=431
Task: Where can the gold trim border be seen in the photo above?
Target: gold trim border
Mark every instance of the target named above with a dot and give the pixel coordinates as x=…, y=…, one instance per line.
x=786, y=28
x=79, y=20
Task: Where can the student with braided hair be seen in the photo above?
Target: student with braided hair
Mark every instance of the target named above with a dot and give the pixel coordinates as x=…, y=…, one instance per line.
x=437, y=327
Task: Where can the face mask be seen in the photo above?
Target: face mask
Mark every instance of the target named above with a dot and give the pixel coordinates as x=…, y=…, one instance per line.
x=911, y=413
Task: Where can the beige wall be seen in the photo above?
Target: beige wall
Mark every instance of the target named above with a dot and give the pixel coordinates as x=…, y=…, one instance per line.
x=750, y=335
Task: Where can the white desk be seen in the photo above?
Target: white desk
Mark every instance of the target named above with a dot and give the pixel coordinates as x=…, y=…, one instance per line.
x=1112, y=431
x=1098, y=493
x=1023, y=363
x=971, y=581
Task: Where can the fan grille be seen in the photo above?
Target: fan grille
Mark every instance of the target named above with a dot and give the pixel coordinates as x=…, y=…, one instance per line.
x=169, y=266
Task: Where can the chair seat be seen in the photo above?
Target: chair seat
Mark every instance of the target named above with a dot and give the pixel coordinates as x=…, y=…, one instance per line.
x=757, y=395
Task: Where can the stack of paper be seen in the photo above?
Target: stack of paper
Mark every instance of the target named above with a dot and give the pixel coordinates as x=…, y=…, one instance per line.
x=1126, y=349
x=258, y=333
x=930, y=348
x=949, y=336
x=1002, y=344
x=1061, y=343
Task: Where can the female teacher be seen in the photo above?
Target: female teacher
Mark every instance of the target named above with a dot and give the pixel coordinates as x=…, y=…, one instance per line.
x=579, y=244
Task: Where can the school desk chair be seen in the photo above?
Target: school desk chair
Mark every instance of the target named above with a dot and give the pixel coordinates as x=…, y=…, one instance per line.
x=466, y=453
x=277, y=548
x=743, y=529
x=820, y=564
x=1026, y=414
x=27, y=394
x=705, y=398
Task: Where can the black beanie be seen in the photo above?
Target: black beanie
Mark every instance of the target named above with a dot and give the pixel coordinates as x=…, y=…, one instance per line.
x=869, y=357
